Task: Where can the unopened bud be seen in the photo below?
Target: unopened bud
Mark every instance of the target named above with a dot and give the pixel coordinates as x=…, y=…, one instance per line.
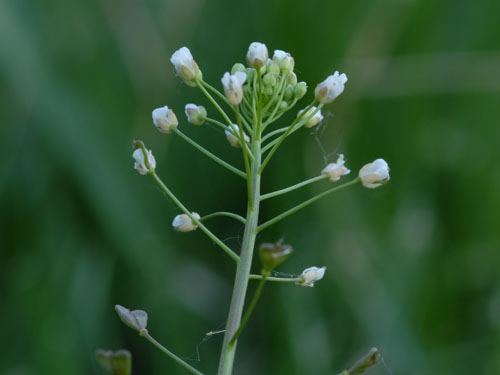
x=185, y=66
x=291, y=79
x=288, y=92
x=314, y=120
x=273, y=254
x=368, y=360
x=165, y=120
x=300, y=90
x=257, y=55
x=238, y=67
x=374, y=174
x=183, y=223
x=196, y=114
x=136, y=319
x=273, y=67
x=233, y=87
x=234, y=137
x=286, y=61
x=269, y=80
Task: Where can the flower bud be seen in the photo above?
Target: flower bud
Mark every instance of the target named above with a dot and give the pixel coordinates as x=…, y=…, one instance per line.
x=257, y=55
x=115, y=363
x=185, y=66
x=291, y=79
x=250, y=74
x=165, y=120
x=300, y=90
x=330, y=88
x=285, y=61
x=284, y=105
x=196, y=114
x=288, y=92
x=273, y=67
x=268, y=91
x=269, y=80
x=140, y=163
x=336, y=170
x=136, y=319
x=183, y=223
x=368, y=360
x=314, y=120
x=273, y=254
x=233, y=87
x=374, y=174
x=311, y=275
x=234, y=137
x=238, y=67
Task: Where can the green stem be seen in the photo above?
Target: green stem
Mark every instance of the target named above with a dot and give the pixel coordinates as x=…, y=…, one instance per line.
x=299, y=279
x=223, y=213
x=245, y=157
x=210, y=155
x=215, y=91
x=293, y=187
x=214, y=103
x=290, y=128
x=268, y=223
x=243, y=270
x=204, y=229
x=250, y=309
x=218, y=123
x=274, y=132
x=144, y=333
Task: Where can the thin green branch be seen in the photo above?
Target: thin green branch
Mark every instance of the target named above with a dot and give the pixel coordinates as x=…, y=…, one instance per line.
x=299, y=279
x=210, y=155
x=144, y=333
x=293, y=187
x=306, y=203
x=215, y=91
x=214, y=103
x=245, y=158
x=218, y=123
x=250, y=309
x=223, y=213
x=298, y=120
x=274, y=132
x=204, y=229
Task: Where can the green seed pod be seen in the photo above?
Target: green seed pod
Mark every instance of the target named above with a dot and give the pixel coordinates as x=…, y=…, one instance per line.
x=273, y=254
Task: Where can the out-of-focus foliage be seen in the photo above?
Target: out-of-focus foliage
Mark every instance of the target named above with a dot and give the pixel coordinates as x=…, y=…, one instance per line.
x=412, y=266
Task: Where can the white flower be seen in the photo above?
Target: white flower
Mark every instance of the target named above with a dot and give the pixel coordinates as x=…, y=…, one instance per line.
x=374, y=174
x=165, y=119
x=336, y=170
x=140, y=164
x=234, y=137
x=311, y=275
x=330, y=88
x=313, y=121
x=233, y=86
x=285, y=61
x=196, y=114
x=185, y=66
x=257, y=55
x=183, y=223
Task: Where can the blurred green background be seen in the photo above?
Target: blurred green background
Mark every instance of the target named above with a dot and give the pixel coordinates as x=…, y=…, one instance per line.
x=413, y=267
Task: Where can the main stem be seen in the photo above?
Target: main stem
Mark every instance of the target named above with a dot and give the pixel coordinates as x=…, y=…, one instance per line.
x=243, y=269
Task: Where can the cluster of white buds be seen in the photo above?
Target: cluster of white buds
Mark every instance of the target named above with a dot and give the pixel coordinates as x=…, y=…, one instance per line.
x=311, y=275
x=165, y=120
x=140, y=163
x=336, y=170
x=183, y=223
x=374, y=174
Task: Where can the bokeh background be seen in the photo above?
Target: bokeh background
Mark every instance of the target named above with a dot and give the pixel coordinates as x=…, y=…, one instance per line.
x=413, y=267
